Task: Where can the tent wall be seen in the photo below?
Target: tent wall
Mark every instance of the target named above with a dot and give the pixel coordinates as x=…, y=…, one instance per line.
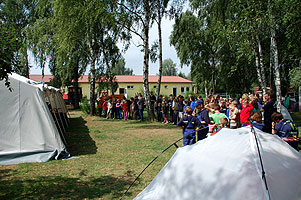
x=26, y=124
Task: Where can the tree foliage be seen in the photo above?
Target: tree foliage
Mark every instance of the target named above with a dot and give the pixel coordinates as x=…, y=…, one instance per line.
x=169, y=68
x=221, y=41
x=120, y=69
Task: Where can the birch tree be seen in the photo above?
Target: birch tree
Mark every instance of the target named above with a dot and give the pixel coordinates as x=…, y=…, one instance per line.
x=138, y=14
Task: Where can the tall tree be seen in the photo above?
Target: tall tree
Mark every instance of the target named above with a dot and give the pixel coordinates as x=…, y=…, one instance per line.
x=18, y=14
x=8, y=45
x=138, y=14
x=169, y=68
x=120, y=69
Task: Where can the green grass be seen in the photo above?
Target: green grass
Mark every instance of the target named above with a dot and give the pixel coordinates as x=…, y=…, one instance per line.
x=109, y=155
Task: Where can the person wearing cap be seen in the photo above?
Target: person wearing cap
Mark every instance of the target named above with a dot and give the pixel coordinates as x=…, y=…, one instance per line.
x=203, y=116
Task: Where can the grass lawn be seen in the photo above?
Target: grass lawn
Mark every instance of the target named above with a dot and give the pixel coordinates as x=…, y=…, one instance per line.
x=109, y=155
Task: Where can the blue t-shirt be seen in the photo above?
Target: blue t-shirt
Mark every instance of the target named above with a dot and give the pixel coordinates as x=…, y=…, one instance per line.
x=192, y=105
x=190, y=123
x=204, y=116
x=258, y=125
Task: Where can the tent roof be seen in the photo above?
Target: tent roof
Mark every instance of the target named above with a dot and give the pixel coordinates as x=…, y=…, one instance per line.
x=227, y=166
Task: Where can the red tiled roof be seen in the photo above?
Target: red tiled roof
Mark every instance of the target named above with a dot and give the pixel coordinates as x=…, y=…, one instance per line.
x=46, y=78
x=121, y=79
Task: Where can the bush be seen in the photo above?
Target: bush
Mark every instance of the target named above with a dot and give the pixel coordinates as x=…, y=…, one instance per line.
x=85, y=106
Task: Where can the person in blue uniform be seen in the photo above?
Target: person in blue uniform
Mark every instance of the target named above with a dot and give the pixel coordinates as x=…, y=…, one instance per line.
x=189, y=125
x=203, y=116
x=286, y=129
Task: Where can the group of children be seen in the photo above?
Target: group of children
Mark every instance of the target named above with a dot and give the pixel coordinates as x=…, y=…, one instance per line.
x=215, y=113
x=198, y=115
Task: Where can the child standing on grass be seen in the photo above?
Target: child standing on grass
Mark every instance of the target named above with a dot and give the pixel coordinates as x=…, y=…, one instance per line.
x=110, y=109
x=118, y=109
x=164, y=111
x=189, y=124
x=125, y=108
x=105, y=108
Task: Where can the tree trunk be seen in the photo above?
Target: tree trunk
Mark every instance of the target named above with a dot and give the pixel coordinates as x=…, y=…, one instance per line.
x=160, y=50
x=263, y=83
x=92, y=85
x=258, y=68
x=26, y=63
x=75, y=78
x=274, y=50
x=146, y=56
x=213, y=76
x=206, y=89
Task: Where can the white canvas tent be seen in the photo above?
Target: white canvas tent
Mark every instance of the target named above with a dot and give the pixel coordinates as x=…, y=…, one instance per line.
x=27, y=129
x=227, y=166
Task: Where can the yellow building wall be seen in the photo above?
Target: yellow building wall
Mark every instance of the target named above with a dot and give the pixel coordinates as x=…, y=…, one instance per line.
x=132, y=89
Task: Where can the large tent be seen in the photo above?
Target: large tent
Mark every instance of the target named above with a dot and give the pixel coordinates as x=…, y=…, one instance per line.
x=227, y=166
x=31, y=130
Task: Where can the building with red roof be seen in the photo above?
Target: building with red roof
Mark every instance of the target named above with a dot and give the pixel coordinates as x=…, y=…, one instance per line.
x=130, y=85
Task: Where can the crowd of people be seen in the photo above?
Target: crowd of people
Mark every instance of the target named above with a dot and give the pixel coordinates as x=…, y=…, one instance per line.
x=203, y=116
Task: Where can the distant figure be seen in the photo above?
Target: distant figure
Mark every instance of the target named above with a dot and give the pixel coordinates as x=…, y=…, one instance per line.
x=256, y=121
x=203, y=116
x=140, y=106
x=217, y=114
x=125, y=108
x=105, y=108
x=268, y=109
x=284, y=128
x=189, y=124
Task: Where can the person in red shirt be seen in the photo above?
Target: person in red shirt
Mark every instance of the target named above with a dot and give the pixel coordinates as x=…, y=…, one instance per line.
x=105, y=108
x=99, y=105
x=125, y=108
x=246, y=112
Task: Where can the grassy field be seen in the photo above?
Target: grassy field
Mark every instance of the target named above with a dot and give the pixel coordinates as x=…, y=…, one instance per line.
x=109, y=154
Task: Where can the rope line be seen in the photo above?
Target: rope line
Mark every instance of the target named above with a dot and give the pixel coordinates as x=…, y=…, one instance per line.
x=173, y=144
x=261, y=163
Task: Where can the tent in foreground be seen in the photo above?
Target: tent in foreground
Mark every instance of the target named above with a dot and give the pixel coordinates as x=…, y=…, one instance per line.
x=28, y=132
x=227, y=166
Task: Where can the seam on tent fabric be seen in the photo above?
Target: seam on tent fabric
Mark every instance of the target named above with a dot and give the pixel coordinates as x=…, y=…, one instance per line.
x=19, y=118
x=259, y=156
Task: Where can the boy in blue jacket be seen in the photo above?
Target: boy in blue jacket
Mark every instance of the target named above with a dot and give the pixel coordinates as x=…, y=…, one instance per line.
x=189, y=125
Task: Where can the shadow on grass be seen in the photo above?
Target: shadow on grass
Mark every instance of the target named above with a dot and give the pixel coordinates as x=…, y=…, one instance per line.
x=57, y=187
x=156, y=126
x=79, y=141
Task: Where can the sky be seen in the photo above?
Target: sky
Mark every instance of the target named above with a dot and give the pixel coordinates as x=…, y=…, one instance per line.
x=134, y=57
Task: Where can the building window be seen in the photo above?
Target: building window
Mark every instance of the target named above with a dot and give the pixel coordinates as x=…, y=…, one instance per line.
x=187, y=89
x=130, y=87
x=166, y=86
x=182, y=89
x=155, y=86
